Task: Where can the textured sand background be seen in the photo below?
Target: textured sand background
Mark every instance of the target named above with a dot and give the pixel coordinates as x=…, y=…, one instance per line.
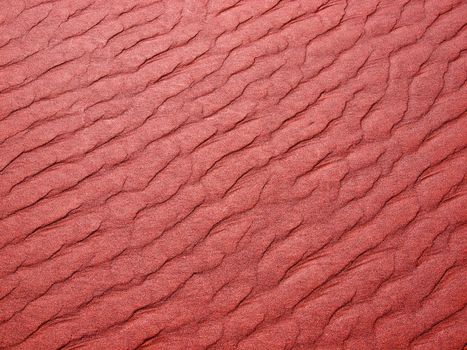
x=233, y=174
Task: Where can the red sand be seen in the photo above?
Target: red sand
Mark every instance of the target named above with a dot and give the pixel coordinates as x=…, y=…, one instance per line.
x=258, y=174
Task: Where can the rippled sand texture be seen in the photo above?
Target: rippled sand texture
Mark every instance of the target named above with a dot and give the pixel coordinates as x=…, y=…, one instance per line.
x=239, y=174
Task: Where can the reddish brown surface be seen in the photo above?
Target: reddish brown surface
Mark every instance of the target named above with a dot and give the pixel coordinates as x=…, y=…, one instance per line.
x=256, y=174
